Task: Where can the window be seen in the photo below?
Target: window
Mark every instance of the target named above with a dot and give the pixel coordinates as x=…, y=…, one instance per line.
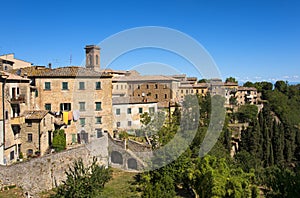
x=29, y=123
x=147, y=86
x=156, y=86
x=186, y=91
x=65, y=86
x=82, y=121
x=44, y=122
x=29, y=137
x=91, y=60
x=192, y=91
x=129, y=123
x=47, y=86
x=139, y=87
x=151, y=109
x=128, y=110
x=81, y=106
x=98, y=85
x=81, y=85
x=65, y=106
x=156, y=96
x=166, y=96
x=98, y=106
x=12, y=155
x=140, y=110
x=182, y=91
x=6, y=115
x=98, y=120
x=97, y=59
x=48, y=106
x=118, y=111
x=99, y=133
x=118, y=124
x=29, y=152
x=36, y=93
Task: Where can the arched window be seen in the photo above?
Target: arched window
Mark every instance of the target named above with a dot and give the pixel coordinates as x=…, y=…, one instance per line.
x=97, y=59
x=91, y=60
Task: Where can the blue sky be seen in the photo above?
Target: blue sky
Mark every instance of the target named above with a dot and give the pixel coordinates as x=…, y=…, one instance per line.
x=249, y=40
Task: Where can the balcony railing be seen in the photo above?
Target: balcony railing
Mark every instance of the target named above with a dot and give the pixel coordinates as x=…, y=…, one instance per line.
x=18, y=99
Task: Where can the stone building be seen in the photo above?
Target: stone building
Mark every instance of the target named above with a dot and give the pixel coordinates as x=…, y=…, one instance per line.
x=9, y=62
x=36, y=132
x=17, y=96
x=81, y=96
x=247, y=95
x=127, y=113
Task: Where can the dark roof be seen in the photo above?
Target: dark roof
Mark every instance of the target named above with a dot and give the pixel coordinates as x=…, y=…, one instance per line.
x=71, y=71
x=35, y=114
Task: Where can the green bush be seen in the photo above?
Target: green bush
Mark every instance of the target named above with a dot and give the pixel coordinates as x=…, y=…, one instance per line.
x=59, y=140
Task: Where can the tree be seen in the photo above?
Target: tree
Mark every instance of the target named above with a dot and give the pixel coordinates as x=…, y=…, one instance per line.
x=281, y=86
x=83, y=182
x=59, y=140
x=231, y=79
x=247, y=113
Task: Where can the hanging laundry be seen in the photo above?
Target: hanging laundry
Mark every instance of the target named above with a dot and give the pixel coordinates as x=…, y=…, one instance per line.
x=70, y=115
x=76, y=115
x=65, y=117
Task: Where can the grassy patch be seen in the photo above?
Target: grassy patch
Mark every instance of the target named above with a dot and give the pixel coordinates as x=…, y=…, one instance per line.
x=120, y=185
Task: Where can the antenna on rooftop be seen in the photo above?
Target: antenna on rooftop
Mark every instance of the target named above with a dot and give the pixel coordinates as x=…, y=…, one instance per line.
x=71, y=59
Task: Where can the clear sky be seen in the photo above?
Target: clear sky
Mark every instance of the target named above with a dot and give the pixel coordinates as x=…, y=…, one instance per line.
x=248, y=39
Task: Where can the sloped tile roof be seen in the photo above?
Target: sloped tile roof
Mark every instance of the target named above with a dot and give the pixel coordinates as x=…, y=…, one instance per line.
x=35, y=114
x=71, y=71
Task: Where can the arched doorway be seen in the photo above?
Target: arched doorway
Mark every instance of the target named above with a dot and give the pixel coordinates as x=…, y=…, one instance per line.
x=116, y=157
x=132, y=164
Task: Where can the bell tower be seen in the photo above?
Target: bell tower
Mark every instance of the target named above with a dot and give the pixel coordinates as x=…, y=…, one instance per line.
x=92, y=57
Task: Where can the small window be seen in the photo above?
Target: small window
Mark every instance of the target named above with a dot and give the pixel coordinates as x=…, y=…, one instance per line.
x=98, y=120
x=129, y=123
x=48, y=106
x=81, y=106
x=147, y=86
x=139, y=87
x=151, y=110
x=36, y=93
x=156, y=86
x=98, y=85
x=29, y=137
x=99, y=133
x=166, y=96
x=81, y=85
x=97, y=60
x=12, y=155
x=29, y=123
x=65, y=86
x=140, y=110
x=118, y=111
x=182, y=91
x=29, y=152
x=118, y=124
x=47, y=86
x=44, y=122
x=129, y=111
x=82, y=121
x=156, y=96
x=6, y=115
x=98, y=106
x=186, y=91
x=65, y=106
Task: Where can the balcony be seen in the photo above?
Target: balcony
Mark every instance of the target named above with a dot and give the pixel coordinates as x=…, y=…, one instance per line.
x=18, y=99
x=17, y=121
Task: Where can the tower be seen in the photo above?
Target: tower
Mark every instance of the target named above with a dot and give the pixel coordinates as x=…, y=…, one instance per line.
x=92, y=57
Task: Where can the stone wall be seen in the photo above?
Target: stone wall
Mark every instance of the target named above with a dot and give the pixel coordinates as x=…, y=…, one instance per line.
x=44, y=173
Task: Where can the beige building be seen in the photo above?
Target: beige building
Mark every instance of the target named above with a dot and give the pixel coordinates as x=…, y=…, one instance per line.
x=9, y=62
x=36, y=132
x=127, y=114
x=82, y=97
x=17, y=96
x=247, y=95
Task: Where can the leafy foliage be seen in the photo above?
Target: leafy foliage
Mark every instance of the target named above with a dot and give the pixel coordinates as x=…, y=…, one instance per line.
x=59, y=140
x=84, y=181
